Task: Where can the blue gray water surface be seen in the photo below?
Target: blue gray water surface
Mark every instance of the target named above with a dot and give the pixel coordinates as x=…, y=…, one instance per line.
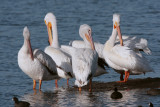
x=138, y=18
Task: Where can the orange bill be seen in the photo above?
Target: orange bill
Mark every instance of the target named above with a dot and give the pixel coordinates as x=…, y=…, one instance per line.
x=49, y=28
x=30, y=49
x=120, y=35
x=89, y=38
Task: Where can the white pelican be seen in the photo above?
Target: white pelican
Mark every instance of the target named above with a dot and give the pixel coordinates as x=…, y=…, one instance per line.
x=101, y=62
x=81, y=44
x=135, y=43
x=84, y=60
x=123, y=58
x=37, y=65
x=61, y=58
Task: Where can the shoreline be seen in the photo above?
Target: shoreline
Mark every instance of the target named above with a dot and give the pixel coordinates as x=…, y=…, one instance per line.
x=130, y=84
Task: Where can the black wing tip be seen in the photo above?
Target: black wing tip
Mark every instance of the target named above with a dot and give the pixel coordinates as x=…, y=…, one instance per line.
x=102, y=63
x=69, y=73
x=89, y=76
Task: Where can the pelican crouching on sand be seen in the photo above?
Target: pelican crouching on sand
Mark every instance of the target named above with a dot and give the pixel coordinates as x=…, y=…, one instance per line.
x=37, y=64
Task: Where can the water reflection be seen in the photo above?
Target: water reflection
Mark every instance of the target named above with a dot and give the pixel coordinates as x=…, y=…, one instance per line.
x=41, y=99
x=128, y=99
x=62, y=97
x=131, y=98
x=84, y=99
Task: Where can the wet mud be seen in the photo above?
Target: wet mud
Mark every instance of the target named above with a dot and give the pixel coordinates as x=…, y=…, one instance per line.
x=130, y=84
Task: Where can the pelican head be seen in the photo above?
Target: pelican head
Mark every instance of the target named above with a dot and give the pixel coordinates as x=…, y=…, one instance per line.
x=49, y=18
x=50, y=21
x=116, y=20
x=85, y=33
x=26, y=33
x=116, y=25
x=79, y=83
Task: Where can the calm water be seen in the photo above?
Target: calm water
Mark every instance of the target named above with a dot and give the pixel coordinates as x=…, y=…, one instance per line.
x=138, y=18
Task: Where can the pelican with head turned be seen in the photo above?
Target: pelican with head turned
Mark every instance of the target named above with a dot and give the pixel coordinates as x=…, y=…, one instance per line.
x=36, y=64
x=61, y=58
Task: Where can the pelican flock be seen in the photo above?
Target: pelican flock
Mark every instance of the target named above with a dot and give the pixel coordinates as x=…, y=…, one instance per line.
x=134, y=43
x=83, y=60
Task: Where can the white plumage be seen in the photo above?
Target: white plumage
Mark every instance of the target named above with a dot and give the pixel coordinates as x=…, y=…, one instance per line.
x=37, y=65
x=135, y=43
x=84, y=64
x=81, y=44
x=84, y=60
x=123, y=58
x=61, y=58
x=98, y=47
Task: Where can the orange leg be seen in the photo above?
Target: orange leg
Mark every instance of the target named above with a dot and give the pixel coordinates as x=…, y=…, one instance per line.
x=56, y=83
x=90, y=85
x=40, y=83
x=35, y=91
x=80, y=89
x=34, y=84
x=126, y=77
x=68, y=82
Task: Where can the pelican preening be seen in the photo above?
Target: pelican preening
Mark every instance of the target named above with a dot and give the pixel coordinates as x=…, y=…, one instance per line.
x=123, y=58
x=37, y=64
x=84, y=60
x=54, y=51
